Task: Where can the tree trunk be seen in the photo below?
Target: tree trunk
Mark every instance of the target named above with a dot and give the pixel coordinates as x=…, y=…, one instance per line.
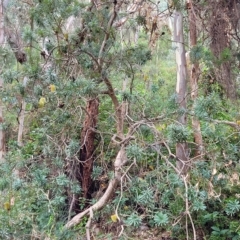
x=22, y=116
x=181, y=89
x=88, y=146
x=221, y=17
x=2, y=133
x=194, y=72
x=15, y=41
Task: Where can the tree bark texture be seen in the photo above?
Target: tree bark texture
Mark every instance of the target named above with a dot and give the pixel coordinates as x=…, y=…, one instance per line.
x=2, y=133
x=15, y=41
x=221, y=24
x=88, y=146
x=194, y=72
x=181, y=89
x=21, y=116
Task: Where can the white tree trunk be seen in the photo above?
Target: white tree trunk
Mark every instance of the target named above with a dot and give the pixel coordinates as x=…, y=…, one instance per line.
x=181, y=89
x=21, y=116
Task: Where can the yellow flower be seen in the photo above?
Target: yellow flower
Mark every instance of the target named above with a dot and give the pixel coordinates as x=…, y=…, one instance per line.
x=114, y=218
x=65, y=36
x=161, y=127
x=52, y=88
x=7, y=206
x=151, y=167
x=42, y=102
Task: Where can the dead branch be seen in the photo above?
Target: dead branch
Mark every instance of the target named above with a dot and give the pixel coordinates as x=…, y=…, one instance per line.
x=88, y=225
x=231, y=124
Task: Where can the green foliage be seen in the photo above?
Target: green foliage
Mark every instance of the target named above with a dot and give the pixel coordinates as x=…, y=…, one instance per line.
x=145, y=198
x=141, y=20
x=134, y=151
x=138, y=54
x=39, y=178
x=200, y=53
x=178, y=133
x=97, y=171
x=222, y=234
x=160, y=219
x=133, y=220
x=196, y=53
x=232, y=207
x=10, y=75
x=226, y=54
x=207, y=107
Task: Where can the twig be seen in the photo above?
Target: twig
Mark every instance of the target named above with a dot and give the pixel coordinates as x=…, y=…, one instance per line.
x=89, y=224
x=232, y=124
x=116, y=210
x=187, y=209
x=71, y=207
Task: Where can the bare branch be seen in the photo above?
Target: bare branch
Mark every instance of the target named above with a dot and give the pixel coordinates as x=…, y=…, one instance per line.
x=231, y=124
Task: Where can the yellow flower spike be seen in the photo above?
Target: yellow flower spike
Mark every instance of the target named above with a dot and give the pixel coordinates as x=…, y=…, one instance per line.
x=125, y=207
x=42, y=102
x=65, y=36
x=7, y=206
x=145, y=77
x=161, y=127
x=114, y=218
x=151, y=167
x=52, y=88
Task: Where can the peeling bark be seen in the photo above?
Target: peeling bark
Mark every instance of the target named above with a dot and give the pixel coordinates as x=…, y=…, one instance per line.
x=221, y=23
x=88, y=146
x=194, y=73
x=181, y=89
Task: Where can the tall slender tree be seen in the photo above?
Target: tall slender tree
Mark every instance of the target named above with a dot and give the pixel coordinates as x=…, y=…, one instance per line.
x=2, y=40
x=182, y=152
x=194, y=73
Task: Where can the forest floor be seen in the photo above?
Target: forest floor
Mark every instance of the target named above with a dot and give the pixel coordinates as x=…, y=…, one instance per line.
x=142, y=233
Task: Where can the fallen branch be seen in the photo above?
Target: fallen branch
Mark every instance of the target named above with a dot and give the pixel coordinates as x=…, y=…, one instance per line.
x=231, y=124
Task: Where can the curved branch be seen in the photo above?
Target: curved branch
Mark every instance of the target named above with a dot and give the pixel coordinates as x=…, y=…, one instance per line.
x=115, y=10
x=119, y=162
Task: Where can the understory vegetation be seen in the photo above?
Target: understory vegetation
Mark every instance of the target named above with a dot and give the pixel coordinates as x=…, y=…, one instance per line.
x=94, y=89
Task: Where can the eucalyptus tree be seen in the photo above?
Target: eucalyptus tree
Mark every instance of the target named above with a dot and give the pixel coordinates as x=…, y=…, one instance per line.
x=2, y=40
x=194, y=73
x=223, y=30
